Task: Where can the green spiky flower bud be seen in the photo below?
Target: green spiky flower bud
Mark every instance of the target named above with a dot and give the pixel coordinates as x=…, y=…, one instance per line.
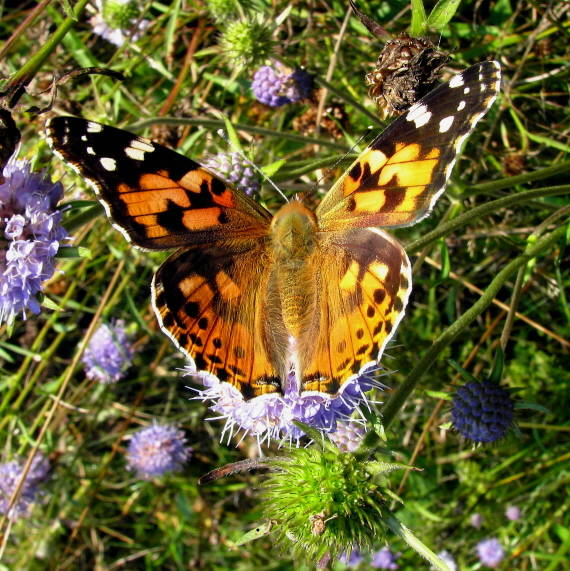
x=324, y=502
x=248, y=42
x=224, y=10
x=119, y=14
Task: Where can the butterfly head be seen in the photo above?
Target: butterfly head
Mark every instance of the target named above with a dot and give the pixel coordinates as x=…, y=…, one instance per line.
x=293, y=232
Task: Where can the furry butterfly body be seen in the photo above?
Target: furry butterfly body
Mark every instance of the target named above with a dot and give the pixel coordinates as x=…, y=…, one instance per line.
x=250, y=296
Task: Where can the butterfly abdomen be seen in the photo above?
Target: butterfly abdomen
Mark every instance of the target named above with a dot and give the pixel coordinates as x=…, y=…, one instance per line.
x=294, y=240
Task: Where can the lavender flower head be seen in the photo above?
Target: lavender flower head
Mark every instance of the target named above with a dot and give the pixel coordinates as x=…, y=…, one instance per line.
x=234, y=168
x=384, y=559
x=348, y=435
x=482, y=411
x=513, y=513
x=271, y=416
x=30, y=234
x=490, y=552
x=353, y=559
x=275, y=85
x=156, y=450
x=108, y=354
x=476, y=520
x=118, y=21
x=10, y=474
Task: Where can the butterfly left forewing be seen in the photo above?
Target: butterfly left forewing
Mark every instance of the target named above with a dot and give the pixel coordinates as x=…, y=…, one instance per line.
x=399, y=177
x=364, y=280
x=157, y=198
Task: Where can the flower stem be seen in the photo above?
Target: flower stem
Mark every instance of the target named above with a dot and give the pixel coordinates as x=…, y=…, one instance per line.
x=17, y=84
x=483, y=210
x=404, y=533
x=398, y=399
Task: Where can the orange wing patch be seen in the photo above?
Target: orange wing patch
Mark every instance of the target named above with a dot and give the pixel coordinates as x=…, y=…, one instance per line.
x=366, y=282
x=206, y=301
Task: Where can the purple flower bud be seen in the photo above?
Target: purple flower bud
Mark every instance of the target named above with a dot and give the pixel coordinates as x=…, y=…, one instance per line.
x=31, y=233
x=10, y=474
x=482, y=411
x=384, y=559
x=108, y=354
x=353, y=559
x=513, y=513
x=490, y=552
x=276, y=86
x=348, y=435
x=156, y=450
x=234, y=168
x=476, y=520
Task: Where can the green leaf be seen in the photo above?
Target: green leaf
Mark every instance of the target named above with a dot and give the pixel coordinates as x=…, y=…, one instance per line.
x=261, y=530
x=419, y=19
x=445, y=261
x=442, y=13
x=270, y=169
x=233, y=137
x=498, y=364
x=439, y=395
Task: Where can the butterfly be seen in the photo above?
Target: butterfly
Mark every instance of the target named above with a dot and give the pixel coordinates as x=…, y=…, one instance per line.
x=249, y=296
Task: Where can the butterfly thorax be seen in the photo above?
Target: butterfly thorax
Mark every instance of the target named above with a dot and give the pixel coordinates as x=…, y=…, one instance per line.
x=294, y=240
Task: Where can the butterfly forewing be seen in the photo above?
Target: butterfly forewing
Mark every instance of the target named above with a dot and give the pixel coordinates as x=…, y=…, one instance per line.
x=156, y=197
x=398, y=178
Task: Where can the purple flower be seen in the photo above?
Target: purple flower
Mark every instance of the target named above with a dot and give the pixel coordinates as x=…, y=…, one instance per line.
x=108, y=354
x=490, y=552
x=276, y=85
x=353, y=559
x=513, y=513
x=348, y=434
x=118, y=21
x=384, y=559
x=157, y=449
x=30, y=234
x=234, y=168
x=482, y=411
x=271, y=416
x=476, y=520
x=10, y=474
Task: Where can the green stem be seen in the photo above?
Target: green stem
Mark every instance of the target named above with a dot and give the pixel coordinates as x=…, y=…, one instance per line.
x=23, y=76
x=404, y=533
x=216, y=124
x=511, y=181
x=483, y=210
x=398, y=399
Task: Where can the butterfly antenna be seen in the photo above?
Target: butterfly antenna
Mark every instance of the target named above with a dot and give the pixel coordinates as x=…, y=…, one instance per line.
x=349, y=152
x=236, y=149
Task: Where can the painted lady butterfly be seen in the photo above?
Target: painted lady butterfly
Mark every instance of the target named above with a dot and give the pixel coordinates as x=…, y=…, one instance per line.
x=250, y=296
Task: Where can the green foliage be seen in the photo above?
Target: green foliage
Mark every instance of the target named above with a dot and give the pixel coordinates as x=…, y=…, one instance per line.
x=185, y=79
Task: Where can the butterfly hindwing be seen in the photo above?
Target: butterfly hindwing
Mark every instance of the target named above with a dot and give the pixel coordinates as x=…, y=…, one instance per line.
x=156, y=197
x=211, y=302
x=399, y=177
x=364, y=280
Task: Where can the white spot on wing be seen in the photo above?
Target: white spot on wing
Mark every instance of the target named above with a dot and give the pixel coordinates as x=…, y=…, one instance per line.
x=135, y=154
x=419, y=114
x=461, y=106
x=466, y=90
x=90, y=151
x=446, y=123
x=84, y=137
x=94, y=127
x=456, y=81
x=142, y=145
x=108, y=164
